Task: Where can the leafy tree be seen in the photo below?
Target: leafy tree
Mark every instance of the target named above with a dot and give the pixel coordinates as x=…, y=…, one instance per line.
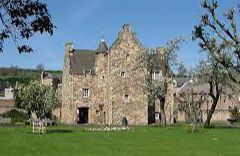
x=37, y=98
x=182, y=71
x=150, y=60
x=235, y=113
x=219, y=82
x=22, y=19
x=190, y=104
x=219, y=37
x=40, y=67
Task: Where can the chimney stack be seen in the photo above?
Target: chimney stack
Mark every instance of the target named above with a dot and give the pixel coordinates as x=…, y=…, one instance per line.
x=69, y=46
x=126, y=27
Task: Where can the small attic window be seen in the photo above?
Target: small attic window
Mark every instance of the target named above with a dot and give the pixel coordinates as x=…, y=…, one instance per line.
x=122, y=74
x=156, y=74
x=126, y=98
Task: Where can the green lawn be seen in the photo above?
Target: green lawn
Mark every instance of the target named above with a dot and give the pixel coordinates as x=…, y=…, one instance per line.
x=71, y=141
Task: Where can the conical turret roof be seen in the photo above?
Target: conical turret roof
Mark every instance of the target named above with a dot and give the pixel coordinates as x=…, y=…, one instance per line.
x=102, y=47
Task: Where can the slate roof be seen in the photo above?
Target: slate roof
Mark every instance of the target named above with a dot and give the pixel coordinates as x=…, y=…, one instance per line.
x=181, y=81
x=82, y=61
x=202, y=87
x=102, y=47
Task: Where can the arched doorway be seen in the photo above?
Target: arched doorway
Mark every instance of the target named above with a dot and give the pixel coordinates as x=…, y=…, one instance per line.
x=83, y=115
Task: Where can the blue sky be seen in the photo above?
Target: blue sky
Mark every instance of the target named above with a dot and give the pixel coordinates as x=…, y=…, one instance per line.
x=83, y=21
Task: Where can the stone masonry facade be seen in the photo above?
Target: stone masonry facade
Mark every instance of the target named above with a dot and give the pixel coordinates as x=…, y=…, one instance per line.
x=113, y=83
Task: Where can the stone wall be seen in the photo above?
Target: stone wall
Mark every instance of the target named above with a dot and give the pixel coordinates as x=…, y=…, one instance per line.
x=68, y=115
x=106, y=103
x=6, y=105
x=169, y=103
x=221, y=112
x=123, y=58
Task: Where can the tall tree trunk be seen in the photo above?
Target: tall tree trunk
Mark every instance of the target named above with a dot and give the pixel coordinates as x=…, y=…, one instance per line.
x=215, y=97
x=211, y=111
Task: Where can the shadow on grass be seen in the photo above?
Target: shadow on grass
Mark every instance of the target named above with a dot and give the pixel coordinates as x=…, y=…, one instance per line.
x=58, y=131
x=223, y=127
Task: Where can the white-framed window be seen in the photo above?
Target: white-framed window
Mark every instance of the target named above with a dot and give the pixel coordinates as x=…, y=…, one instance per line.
x=156, y=74
x=122, y=74
x=126, y=98
x=85, y=92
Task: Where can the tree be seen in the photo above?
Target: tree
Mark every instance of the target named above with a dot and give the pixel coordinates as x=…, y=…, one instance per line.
x=40, y=67
x=37, y=98
x=182, y=71
x=219, y=37
x=150, y=60
x=22, y=19
x=219, y=82
x=191, y=103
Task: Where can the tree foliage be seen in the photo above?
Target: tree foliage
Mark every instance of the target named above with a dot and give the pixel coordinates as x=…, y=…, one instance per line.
x=219, y=37
x=150, y=60
x=191, y=104
x=217, y=77
x=182, y=70
x=22, y=19
x=37, y=98
x=40, y=67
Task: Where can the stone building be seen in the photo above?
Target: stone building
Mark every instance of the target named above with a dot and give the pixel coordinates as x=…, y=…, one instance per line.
x=105, y=85
x=227, y=99
x=49, y=79
x=7, y=102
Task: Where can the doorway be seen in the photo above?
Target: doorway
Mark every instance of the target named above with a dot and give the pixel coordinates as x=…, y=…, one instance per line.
x=83, y=115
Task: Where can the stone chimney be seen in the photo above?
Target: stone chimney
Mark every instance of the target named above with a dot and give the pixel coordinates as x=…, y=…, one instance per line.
x=126, y=28
x=69, y=46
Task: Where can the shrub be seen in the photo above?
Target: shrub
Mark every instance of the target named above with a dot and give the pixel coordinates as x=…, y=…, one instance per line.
x=235, y=113
x=16, y=115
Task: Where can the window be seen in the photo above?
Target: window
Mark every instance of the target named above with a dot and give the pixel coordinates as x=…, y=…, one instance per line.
x=98, y=113
x=156, y=74
x=122, y=74
x=127, y=57
x=126, y=98
x=85, y=92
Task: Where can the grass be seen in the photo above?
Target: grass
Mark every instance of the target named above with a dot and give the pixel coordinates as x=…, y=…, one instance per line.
x=151, y=140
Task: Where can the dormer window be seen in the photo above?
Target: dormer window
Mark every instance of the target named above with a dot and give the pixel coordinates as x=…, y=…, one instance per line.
x=156, y=74
x=122, y=74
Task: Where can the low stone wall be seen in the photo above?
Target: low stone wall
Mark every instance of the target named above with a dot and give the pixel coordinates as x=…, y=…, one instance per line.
x=6, y=105
x=219, y=115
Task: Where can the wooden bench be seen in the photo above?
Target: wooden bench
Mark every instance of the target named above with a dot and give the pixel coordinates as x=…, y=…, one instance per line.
x=38, y=127
x=48, y=122
x=5, y=121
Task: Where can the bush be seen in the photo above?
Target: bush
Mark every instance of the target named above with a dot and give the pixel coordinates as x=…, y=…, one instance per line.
x=235, y=113
x=16, y=115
